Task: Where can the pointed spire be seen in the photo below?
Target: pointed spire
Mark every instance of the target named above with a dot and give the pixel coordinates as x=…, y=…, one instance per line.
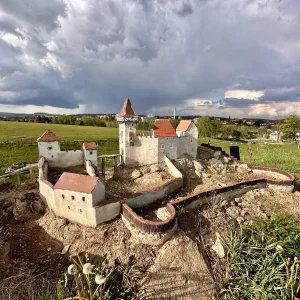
x=48, y=136
x=127, y=110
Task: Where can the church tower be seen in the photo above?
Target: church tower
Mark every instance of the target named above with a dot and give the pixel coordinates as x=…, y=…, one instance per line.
x=127, y=129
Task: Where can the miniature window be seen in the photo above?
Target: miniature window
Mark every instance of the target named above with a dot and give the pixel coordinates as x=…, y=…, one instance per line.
x=191, y=141
x=83, y=198
x=171, y=146
x=91, y=152
x=162, y=146
x=73, y=198
x=49, y=148
x=68, y=207
x=63, y=196
x=80, y=210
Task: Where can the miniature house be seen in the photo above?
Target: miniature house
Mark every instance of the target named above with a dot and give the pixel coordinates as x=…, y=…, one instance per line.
x=90, y=153
x=48, y=145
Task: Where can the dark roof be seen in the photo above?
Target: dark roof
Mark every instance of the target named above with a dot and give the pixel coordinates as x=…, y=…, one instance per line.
x=48, y=136
x=127, y=110
x=163, y=128
x=76, y=182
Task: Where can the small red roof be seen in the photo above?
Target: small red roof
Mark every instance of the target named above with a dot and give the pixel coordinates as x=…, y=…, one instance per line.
x=48, y=136
x=183, y=125
x=76, y=182
x=90, y=146
x=127, y=110
x=163, y=128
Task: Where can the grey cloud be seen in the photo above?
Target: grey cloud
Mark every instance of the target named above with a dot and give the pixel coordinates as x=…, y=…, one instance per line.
x=151, y=52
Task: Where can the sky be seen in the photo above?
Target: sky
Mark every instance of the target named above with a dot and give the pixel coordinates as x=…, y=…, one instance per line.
x=238, y=58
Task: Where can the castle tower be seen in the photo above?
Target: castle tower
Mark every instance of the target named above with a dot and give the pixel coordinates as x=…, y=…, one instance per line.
x=127, y=129
x=48, y=145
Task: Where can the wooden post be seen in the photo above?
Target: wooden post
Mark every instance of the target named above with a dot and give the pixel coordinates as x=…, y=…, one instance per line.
x=103, y=167
x=31, y=173
x=19, y=178
x=115, y=163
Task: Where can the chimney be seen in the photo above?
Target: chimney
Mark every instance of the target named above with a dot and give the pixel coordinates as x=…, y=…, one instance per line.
x=174, y=113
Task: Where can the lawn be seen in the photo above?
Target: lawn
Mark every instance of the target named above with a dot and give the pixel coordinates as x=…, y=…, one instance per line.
x=17, y=145
x=16, y=131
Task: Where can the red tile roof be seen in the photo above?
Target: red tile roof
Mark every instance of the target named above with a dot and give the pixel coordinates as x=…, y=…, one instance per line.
x=183, y=125
x=76, y=182
x=90, y=146
x=48, y=136
x=163, y=128
x=127, y=110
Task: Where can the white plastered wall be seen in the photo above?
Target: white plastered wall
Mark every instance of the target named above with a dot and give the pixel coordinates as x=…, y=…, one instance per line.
x=99, y=192
x=48, y=149
x=91, y=155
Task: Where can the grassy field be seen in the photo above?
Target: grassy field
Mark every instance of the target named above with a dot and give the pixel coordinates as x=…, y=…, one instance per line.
x=16, y=131
x=17, y=145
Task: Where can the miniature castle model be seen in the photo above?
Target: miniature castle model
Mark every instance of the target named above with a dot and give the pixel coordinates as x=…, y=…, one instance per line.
x=162, y=141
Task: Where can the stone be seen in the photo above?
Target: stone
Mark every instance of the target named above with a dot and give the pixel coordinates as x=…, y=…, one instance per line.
x=154, y=168
x=218, y=154
x=21, y=211
x=233, y=212
x=6, y=204
x=65, y=249
x=238, y=200
x=198, y=166
x=37, y=206
x=243, y=168
x=136, y=174
x=218, y=246
x=240, y=220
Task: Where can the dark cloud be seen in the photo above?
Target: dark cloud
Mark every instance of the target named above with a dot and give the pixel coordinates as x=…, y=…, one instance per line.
x=64, y=53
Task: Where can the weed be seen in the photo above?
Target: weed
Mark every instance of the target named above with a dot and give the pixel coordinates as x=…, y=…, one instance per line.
x=263, y=261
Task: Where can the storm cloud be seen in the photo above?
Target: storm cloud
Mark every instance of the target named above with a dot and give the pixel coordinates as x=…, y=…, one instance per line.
x=88, y=56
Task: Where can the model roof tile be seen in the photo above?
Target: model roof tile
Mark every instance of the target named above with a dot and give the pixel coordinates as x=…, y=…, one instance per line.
x=163, y=128
x=90, y=146
x=76, y=182
x=127, y=110
x=48, y=136
x=183, y=125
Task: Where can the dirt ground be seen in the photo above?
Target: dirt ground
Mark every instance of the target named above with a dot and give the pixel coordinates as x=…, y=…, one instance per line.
x=129, y=180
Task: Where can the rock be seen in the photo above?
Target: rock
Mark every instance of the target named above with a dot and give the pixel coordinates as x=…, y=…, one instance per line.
x=243, y=168
x=136, y=174
x=218, y=154
x=227, y=159
x=37, y=206
x=218, y=246
x=65, y=249
x=198, y=166
x=240, y=220
x=238, y=200
x=21, y=211
x=6, y=204
x=4, y=254
x=154, y=168
x=233, y=212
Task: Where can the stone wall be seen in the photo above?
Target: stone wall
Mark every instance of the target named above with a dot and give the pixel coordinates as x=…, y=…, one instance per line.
x=107, y=211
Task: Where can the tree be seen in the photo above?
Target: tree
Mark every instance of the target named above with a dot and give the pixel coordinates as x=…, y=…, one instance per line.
x=205, y=127
x=291, y=126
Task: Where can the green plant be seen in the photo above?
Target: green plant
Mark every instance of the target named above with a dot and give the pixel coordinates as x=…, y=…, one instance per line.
x=263, y=261
x=100, y=281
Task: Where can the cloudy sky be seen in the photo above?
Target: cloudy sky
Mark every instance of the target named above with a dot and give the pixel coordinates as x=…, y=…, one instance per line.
x=209, y=57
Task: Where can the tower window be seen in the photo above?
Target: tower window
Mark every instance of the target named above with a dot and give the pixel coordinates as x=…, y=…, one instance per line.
x=83, y=198
x=68, y=207
x=73, y=198
x=91, y=152
x=162, y=146
x=49, y=148
x=63, y=196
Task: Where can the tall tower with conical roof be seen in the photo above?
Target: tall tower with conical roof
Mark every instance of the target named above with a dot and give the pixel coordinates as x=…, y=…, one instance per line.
x=127, y=119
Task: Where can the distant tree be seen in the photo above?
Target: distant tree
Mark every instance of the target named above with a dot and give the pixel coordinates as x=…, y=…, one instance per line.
x=267, y=136
x=216, y=127
x=227, y=131
x=291, y=126
x=205, y=127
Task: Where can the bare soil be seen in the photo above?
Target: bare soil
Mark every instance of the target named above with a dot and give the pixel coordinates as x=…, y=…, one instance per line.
x=55, y=173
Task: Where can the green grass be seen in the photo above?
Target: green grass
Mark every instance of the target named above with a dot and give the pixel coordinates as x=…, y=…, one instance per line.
x=16, y=131
x=263, y=261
